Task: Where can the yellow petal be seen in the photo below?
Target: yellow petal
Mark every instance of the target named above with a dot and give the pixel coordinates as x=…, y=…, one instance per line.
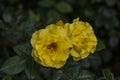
x=83, y=39
x=48, y=56
x=75, y=53
x=60, y=23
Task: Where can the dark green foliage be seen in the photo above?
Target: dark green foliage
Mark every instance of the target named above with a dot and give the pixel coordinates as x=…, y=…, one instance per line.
x=86, y=75
x=47, y=3
x=13, y=65
x=20, y=18
x=32, y=70
x=73, y=71
x=100, y=45
x=23, y=49
x=7, y=77
x=108, y=75
x=118, y=78
x=111, y=2
x=53, y=16
x=63, y=7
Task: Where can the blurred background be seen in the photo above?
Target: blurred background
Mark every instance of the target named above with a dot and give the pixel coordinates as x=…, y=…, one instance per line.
x=20, y=18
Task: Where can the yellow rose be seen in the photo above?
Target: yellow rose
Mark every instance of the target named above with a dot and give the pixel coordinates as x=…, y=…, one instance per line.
x=51, y=46
x=83, y=39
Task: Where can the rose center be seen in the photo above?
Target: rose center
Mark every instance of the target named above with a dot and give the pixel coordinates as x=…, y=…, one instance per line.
x=52, y=46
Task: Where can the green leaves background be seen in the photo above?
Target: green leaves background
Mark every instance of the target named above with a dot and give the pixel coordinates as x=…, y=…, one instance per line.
x=20, y=18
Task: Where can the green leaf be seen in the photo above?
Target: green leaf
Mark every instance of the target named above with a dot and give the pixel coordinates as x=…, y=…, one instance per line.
x=32, y=70
x=100, y=45
x=85, y=63
x=111, y=2
x=71, y=70
x=33, y=16
x=108, y=75
x=27, y=28
x=8, y=77
x=23, y=49
x=53, y=16
x=13, y=65
x=63, y=7
x=47, y=3
x=57, y=75
x=45, y=71
x=86, y=75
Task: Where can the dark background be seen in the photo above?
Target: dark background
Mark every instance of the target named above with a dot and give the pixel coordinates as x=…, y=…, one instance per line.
x=20, y=18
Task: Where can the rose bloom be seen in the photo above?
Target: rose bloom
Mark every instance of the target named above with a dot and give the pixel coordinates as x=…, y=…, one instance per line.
x=51, y=46
x=83, y=39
